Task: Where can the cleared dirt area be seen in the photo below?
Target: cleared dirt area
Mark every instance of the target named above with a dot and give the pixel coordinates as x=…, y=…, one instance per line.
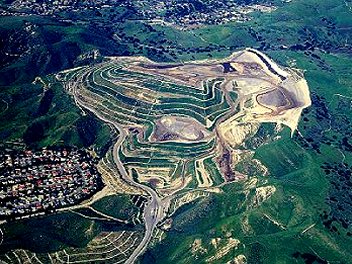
x=173, y=128
x=187, y=106
x=249, y=73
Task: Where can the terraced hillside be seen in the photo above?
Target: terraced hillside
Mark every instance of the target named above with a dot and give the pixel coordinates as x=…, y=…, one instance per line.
x=187, y=128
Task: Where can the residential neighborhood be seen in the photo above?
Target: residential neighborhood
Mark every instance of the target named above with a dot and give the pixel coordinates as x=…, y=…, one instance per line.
x=34, y=182
x=185, y=14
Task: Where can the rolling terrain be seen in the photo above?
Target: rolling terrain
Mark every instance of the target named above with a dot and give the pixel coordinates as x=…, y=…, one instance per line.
x=202, y=163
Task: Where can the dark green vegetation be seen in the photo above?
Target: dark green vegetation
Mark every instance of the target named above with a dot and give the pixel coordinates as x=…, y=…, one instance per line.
x=119, y=206
x=62, y=230
x=47, y=117
x=38, y=116
x=29, y=234
x=311, y=172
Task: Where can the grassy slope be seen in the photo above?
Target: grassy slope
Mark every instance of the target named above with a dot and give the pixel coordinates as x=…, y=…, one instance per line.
x=66, y=229
x=125, y=210
x=61, y=122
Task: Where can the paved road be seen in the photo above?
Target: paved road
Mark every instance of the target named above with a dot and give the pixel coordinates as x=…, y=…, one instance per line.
x=153, y=211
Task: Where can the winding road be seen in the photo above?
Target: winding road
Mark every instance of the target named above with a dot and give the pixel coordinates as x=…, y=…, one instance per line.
x=153, y=211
